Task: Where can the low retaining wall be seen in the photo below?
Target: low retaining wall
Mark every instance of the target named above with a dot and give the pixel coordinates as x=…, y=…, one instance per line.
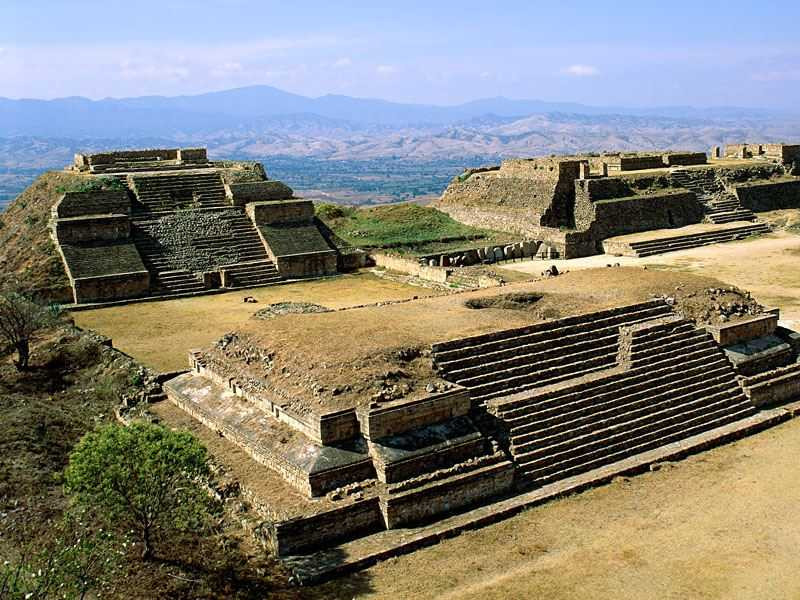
x=769, y=195
x=324, y=529
x=280, y=211
x=773, y=387
x=111, y=287
x=91, y=229
x=411, y=267
x=742, y=331
x=324, y=429
x=419, y=505
x=391, y=420
x=307, y=264
x=79, y=204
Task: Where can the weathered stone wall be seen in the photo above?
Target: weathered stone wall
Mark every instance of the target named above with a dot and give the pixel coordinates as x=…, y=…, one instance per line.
x=273, y=212
x=742, y=331
x=773, y=387
x=192, y=155
x=685, y=158
x=324, y=529
x=403, y=416
x=91, y=229
x=311, y=264
x=255, y=191
x=106, y=158
x=410, y=267
x=520, y=194
x=458, y=492
x=111, y=287
x=769, y=195
x=80, y=204
x=617, y=164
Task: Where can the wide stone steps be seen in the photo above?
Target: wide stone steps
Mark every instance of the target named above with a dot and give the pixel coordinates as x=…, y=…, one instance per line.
x=731, y=216
x=672, y=244
x=159, y=193
x=252, y=274
x=582, y=413
x=657, y=372
x=648, y=438
x=606, y=353
x=460, y=353
x=594, y=424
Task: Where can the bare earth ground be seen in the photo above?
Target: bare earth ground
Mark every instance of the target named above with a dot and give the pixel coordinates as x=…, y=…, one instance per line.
x=767, y=266
x=160, y=333
x=723, y=524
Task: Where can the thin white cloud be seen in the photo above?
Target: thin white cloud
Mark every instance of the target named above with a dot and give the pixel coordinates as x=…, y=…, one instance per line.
x=343, y=62
x=385, y=69
x=581, y=71
x=778, y=75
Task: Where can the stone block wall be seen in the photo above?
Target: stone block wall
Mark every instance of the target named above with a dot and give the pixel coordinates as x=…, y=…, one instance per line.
x=111, y=287
x=107, y=158
x=256, y=191
x=192, y=155
x=92, y=229
x=80, y=204
x=310, y=264
x=324, y=529
x=685, y=158
x=618, y=164
x=741, y=331
x=769, y=195
x=404, y=416
x=275, y=212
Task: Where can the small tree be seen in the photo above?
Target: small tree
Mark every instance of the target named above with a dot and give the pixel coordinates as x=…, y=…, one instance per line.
x=144, y=477
x=20, y=319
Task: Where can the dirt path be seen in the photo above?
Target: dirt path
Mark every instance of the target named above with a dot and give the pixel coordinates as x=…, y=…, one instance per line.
x=160, y=333
x=722, y=524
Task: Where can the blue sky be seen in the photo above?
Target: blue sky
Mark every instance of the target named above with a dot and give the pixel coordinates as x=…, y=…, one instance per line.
x=621, y=53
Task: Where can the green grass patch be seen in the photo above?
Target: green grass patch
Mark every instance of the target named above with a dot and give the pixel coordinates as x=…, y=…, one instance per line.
x=409, y=227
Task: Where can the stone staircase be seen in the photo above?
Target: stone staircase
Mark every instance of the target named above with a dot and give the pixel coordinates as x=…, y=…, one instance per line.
x=720, y=205
x=674, y=382
x=694, y=240
x=508, y=362
x=175, y=191
x=253, y=267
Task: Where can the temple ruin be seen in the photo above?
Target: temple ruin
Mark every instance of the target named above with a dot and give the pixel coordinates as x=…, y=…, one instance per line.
x=167, y=222
x=577, y=205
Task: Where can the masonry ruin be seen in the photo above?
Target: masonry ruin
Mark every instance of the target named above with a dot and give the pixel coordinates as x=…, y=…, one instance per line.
x=380, y=426
x=575, y=206
x=165, y=222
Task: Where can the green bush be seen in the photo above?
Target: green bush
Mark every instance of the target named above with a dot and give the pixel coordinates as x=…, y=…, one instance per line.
x=144, y=477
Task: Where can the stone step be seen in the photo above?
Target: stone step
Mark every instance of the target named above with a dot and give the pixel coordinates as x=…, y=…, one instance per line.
x=524, y=357
x=581, y=427
x=636, y=446
x=553, y=398
x=583, y=411
x=512, y=339
x=521, y=384
x=637, y=432
x=629, y=382
x=559, y=356
x=673, y=244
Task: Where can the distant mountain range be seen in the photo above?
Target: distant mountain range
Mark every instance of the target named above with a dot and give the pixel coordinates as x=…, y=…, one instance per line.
x=260, y=108
x=260, y=122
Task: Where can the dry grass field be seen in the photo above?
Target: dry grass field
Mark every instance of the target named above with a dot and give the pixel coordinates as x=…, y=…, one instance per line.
x=159, y=334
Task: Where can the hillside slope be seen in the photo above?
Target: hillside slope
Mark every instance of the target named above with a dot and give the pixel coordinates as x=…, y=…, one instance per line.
x=26, y=249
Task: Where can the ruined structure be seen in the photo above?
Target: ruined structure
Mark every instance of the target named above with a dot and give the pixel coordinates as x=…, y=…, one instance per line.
x=572, y=205
x=170, y=221
x=379, y=425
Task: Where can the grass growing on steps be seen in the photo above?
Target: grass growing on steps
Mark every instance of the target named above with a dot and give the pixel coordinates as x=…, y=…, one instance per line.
x=404, y=226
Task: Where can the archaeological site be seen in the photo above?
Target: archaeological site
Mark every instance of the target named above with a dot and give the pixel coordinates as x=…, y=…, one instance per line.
x=377, y=427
